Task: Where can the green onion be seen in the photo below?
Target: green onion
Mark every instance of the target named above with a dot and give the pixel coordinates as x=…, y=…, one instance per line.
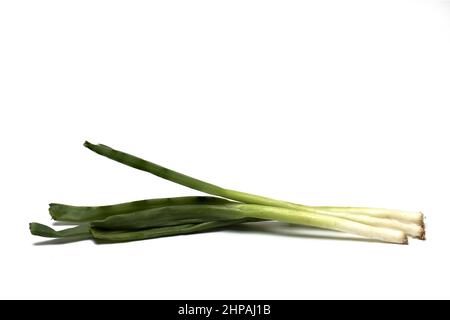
x=153, y=218
x=402, y=220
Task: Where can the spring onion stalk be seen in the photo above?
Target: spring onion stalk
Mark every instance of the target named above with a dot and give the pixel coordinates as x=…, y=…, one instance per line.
x=152, y=218
x=42, y=230
x=146, y=219
x=133, y=235
x=63, y=212
x=407, y=216
x=87, y=232
x=167, y=216
x=410, y=229
x=212, y=189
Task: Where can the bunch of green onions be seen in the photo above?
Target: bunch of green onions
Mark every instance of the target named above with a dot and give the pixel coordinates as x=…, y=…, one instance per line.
x=153, y=218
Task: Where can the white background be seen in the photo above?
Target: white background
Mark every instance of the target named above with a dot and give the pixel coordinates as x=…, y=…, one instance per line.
x=317, y=102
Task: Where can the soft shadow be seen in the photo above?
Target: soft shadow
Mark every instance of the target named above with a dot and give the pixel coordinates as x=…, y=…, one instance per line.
x=58, y=241
x=294, y=231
